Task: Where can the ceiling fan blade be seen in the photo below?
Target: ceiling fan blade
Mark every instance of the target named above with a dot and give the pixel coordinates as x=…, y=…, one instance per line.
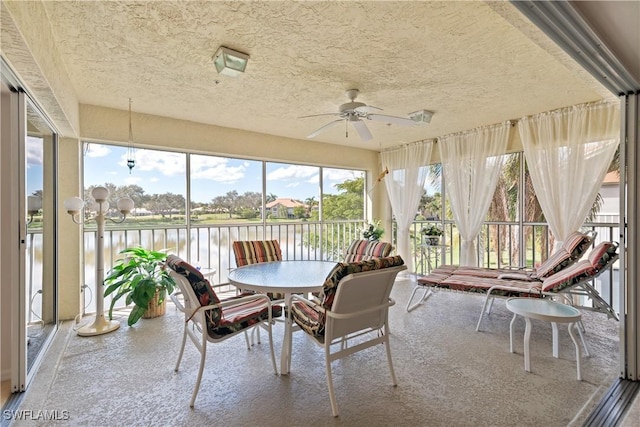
x=362, y=130
x=318, y=115
x=391, y=119
x=367, y=109
x=323, y=128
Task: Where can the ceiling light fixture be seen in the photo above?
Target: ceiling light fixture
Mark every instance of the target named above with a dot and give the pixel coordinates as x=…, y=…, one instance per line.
x=230, y=62
x=421, y=117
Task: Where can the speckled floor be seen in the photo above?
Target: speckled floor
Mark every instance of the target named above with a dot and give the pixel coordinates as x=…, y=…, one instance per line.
x=448, y=375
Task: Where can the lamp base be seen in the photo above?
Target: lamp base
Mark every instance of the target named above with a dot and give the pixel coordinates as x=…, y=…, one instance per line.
x=99, y=326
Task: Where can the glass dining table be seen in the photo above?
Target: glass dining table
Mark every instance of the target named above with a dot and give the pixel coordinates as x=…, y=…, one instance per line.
x=288, y=278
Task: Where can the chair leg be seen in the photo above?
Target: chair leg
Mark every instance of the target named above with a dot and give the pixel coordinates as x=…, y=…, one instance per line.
x=484, y=307
x=390, y=361
x=332, y=395
x=247, y=340
x=273, y=353
x=203, y=354
x=184, y=341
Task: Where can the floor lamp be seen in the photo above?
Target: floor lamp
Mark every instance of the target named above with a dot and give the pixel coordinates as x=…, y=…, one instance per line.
x=99, y=209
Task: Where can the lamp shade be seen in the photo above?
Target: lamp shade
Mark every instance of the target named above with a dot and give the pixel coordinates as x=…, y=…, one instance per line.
x=73, y=204
x=125, y=205
x=100, y=194
x=34, y=204
x=229, y=62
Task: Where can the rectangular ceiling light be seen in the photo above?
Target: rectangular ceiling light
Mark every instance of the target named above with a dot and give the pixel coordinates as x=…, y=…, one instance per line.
x=229, y=62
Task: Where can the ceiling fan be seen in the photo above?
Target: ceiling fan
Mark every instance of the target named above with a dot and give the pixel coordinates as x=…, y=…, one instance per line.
x=355, y=112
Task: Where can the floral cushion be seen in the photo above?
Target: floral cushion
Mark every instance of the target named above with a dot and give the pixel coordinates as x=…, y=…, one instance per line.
x=312, y=318
x=360, y=250
x=568, y=277
x=577, y=244
x=221, y=321
x=481, y=285
x=601, y=254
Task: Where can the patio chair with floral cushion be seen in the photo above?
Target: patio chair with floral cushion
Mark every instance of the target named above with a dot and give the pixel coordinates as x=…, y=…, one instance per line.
x=354, y=305
x=207, y=319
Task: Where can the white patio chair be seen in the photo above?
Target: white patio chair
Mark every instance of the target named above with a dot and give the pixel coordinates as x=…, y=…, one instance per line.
x=208, y=319
x=355, y=306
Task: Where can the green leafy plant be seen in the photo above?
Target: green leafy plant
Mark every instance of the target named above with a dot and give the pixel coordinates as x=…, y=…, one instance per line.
x=373, y=231
x=432, y=230
x=138, y=276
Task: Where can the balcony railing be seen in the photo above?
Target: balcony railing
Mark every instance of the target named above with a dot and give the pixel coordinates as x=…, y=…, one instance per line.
x=209, y=246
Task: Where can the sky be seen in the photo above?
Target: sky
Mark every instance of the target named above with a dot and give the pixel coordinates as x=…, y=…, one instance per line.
x=159, y=172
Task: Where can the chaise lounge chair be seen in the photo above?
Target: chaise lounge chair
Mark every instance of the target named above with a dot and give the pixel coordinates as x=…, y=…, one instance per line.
x=571, y=279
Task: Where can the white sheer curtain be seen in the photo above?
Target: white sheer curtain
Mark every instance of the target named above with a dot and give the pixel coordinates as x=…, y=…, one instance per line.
x=471, y=164
x=568, y=152
x=405, y=184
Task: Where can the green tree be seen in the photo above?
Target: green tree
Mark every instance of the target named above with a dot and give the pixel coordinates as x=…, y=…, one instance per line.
x=347, y=204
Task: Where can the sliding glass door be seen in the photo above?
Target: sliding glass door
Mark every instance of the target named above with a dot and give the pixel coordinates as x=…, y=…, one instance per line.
x=28, y=284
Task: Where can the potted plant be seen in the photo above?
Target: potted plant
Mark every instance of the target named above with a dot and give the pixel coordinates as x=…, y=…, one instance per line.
x=141, y=278
x=431, y=234
x=373, y=231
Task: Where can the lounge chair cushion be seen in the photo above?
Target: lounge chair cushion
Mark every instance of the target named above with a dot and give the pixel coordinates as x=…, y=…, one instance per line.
x=601, y=254
x=360, y=250
x=556, y=262
x=505, y=288
x=568, y=277
x=312, y=318
x=221, y=321
x=577, y=244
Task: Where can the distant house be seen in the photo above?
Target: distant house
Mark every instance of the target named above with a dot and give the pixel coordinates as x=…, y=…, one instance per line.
x=610, y=193
x=283, y=208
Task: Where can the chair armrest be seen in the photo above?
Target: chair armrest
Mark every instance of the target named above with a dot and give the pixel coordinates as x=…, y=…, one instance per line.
x=174, y=297
x=330, y=313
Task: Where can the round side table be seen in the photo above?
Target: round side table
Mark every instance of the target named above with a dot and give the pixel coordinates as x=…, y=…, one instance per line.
x=548, y=311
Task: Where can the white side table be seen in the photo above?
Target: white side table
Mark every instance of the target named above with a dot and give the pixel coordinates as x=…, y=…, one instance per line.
x=548, y=311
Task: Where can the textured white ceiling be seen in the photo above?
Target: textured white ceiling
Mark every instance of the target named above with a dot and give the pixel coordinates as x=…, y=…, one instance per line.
x=472, y=63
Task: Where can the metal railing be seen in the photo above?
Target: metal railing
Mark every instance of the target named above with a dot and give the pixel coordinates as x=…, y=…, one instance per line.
x=499, y=246
x=209, y=246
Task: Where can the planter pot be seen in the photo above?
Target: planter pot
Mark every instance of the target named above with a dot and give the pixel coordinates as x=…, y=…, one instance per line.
x=431, y=240
x=154, y=309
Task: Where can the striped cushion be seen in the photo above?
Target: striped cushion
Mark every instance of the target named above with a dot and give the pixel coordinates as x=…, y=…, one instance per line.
x=554, y=263
x=361, y=250
x=568, y=277
x=249, y=252
x=506, y=288
x=312, y=318
x=255, y=251
x=244, y=252
x=267, y=250
x=601, y=254
x=576, y=244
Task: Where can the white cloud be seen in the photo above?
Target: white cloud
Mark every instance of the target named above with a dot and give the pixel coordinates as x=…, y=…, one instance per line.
x=217, y=169
x=167, y=163
x=292, y=172
x=34, y=151
x=97, y=150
